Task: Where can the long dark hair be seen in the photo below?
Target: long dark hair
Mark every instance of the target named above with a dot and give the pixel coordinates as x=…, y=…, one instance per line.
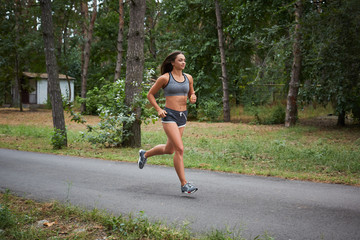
x=166, y=66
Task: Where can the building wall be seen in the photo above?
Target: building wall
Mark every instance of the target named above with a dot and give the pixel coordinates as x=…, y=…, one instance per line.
x=42, y=90
x=32, y=94
x=64, y=86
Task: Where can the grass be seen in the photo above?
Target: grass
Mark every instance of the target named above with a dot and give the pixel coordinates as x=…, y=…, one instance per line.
x=26, y=219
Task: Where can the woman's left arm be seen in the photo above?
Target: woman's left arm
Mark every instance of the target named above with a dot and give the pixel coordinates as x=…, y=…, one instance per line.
x=191, y=93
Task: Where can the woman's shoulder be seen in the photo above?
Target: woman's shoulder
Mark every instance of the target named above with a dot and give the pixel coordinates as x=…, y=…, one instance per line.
x=189, y=77
x=163, y=79
x=165, y=75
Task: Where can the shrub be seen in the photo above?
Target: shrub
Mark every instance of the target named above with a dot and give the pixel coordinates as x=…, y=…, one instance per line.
x=277, y=115
x=109, y=102
x=58, y=139
x=7, y=219
x=210, y=110
x=267, y=114
x=110, y=131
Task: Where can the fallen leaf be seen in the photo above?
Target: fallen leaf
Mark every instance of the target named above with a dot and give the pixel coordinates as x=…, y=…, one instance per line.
x=48, y=224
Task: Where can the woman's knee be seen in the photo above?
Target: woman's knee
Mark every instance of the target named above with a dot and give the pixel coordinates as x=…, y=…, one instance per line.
x=169, y=150
x=179, y=149
x=172, y=149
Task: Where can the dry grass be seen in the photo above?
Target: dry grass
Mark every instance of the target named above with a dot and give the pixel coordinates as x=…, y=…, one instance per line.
x=39, y=118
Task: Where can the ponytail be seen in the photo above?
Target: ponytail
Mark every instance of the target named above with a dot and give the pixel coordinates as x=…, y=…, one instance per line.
x=166, y=66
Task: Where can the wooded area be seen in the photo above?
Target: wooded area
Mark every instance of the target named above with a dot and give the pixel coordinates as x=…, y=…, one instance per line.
x=240, y=48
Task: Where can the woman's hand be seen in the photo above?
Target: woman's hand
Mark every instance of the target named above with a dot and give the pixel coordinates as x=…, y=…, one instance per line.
x=162, y=113
x=193, y=98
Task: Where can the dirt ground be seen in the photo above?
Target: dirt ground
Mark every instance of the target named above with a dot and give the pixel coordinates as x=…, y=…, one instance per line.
x=40, y=117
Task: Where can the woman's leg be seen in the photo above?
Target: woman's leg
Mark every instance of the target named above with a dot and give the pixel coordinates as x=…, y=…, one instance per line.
x=160, y=149
x=175, y=142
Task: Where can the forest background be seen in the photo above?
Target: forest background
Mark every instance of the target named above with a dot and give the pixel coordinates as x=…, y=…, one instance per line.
x=258, y=43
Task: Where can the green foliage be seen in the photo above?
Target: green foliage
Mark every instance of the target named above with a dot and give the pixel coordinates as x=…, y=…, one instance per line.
x=268, y=114
x=258, y=48
x=115, y=116
x=278, y=115
x=7, y=218
x=330, y=55
x=255, y=95
x=110, y=131
x=98, y=97
x=210, y=110
x=58, y=139
x=139, y=227
x=108, y=103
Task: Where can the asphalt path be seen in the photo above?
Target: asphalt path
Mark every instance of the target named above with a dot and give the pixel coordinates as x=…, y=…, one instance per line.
x=283, y=209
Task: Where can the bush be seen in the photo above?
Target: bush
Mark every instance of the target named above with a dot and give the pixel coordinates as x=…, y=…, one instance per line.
x=109, y=102
x=58, y=139
x=110, y=131
x=267, y=114
x=7, y=219
x=210, y=110
x=100, y=97
x=277, y=115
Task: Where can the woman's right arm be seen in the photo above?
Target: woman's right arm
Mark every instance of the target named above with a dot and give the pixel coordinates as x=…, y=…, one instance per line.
x=160, y=82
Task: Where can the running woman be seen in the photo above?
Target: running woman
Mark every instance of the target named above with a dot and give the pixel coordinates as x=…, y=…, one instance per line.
x=178, y=86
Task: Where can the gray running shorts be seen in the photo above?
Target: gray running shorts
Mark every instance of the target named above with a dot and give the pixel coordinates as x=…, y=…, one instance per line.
x=177, y=117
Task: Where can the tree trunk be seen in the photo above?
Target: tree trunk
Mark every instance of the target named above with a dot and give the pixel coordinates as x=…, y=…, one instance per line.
x=119, y=46
x=152, y=20
x=341, y=119
x=226, y=106
x=135, y=69
x=291, y=108
x=17, y=96
x=88, y=31
x=52, y=69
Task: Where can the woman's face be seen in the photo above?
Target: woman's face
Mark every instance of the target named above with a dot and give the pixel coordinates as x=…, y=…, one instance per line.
x=179, y=62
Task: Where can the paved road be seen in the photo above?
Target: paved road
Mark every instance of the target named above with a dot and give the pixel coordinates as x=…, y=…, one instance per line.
x=285, y=209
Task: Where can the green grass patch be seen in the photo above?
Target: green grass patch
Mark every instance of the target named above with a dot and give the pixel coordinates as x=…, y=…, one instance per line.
x=27, y=219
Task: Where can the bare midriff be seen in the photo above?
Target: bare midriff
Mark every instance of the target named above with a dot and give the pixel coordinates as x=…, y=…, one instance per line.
x=177, y=103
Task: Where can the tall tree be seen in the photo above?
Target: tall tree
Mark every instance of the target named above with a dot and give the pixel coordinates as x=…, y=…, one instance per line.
x=291, y=107
x=153, y=14
x=224, y=78
x=135, y=69
x=331, y=56
x=17, y=95
x=119, y=43
x=52, y=69
x=88, y=28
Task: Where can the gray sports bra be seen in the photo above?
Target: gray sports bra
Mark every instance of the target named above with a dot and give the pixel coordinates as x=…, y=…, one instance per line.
x=175, y=88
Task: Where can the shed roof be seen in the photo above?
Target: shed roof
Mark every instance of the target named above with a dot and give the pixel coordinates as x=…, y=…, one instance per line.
x=44, y=75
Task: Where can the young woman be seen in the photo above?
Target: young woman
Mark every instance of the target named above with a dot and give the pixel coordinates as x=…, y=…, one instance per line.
x=178, y=86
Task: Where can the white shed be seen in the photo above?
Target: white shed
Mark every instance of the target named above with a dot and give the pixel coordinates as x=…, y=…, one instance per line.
x=35, y=87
